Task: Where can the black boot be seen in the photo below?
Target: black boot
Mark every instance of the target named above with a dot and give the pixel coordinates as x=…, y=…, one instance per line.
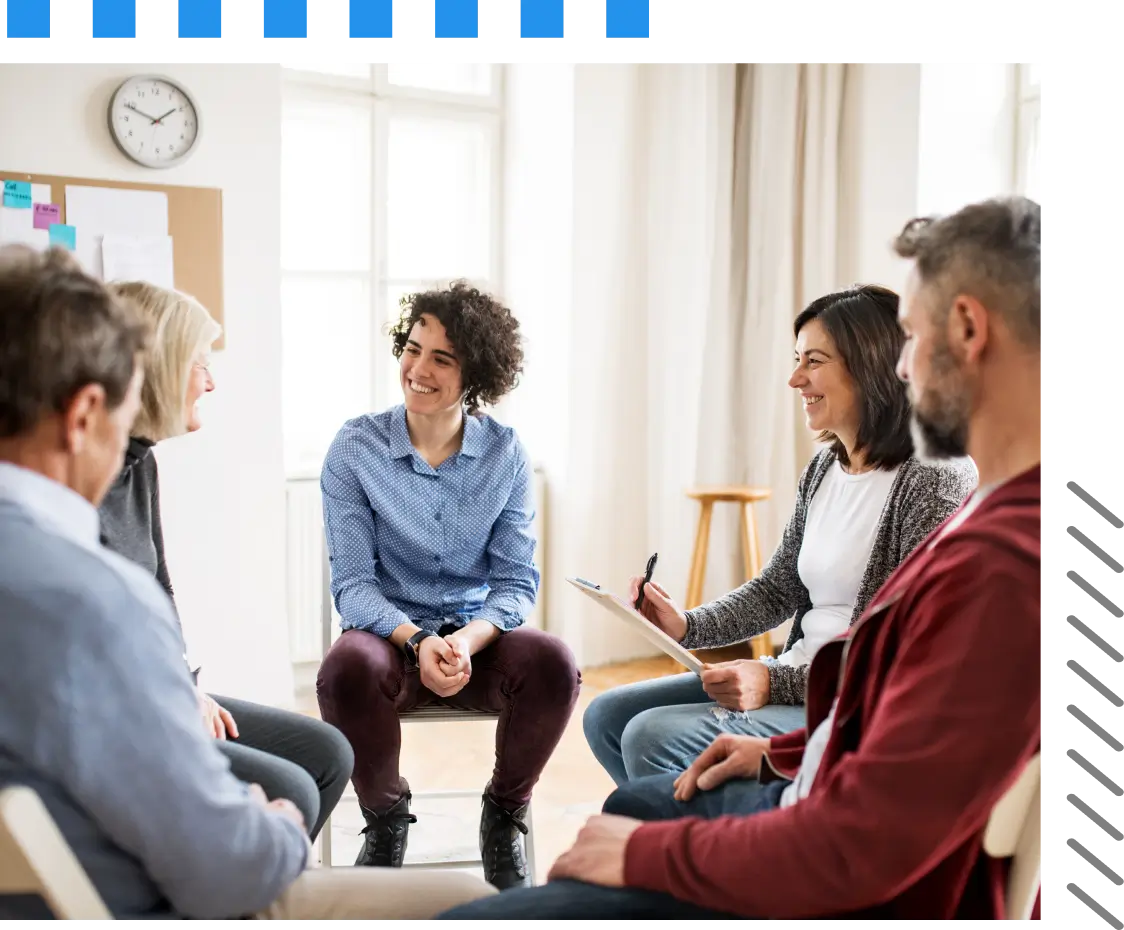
x=501, y=845
x=384, y=837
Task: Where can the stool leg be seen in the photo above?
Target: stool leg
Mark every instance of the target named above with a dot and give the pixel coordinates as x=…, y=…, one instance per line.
x=751, y=557
x=698, y=559
x=747, y=550
x=529, y=845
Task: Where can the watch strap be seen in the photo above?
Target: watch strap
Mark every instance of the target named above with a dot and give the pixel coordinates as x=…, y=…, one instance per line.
x=414, y=642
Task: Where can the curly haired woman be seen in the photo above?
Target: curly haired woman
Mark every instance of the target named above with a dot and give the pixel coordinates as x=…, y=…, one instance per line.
x=428, y=511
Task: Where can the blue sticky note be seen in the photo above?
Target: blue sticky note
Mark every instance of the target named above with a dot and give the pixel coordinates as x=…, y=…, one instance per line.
x=29, y=19
x=61, y=234
x=17, y=194
x=626, y=19
x=541, y=19
x=286, y=19
x=371, y=19
x=456, y=19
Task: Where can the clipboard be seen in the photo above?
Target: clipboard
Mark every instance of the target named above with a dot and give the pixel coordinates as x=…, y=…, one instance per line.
x=625, y=611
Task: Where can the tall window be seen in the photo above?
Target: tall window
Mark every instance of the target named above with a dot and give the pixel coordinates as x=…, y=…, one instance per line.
x=391, y=180
x=1026, y=169
x=978, y=133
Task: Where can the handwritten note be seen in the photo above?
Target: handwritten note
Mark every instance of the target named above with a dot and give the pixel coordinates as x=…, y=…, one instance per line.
x=17, y=195
x=61, y=234
x=46, y=214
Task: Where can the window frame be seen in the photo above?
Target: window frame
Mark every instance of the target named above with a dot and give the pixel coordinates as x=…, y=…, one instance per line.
x=1027, y=113
x=384, y=100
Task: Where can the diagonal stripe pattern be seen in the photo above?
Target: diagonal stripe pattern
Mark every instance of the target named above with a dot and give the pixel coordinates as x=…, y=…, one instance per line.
x=1098, y=568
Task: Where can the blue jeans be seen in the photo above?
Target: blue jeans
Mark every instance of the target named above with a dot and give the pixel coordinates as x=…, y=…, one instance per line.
x=661, y=726
x=647, y=799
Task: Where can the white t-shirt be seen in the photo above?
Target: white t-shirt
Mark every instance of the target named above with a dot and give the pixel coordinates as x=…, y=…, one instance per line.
x=839, y=532
x=817, y=742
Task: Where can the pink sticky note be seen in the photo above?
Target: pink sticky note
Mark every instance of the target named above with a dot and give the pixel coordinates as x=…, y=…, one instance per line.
x=46, y=214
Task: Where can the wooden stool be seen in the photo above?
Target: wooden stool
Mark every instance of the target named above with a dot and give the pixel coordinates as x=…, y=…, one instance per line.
x=708, y=496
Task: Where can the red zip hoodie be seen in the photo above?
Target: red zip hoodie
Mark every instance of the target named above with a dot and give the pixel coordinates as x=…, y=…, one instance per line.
x=939, y=710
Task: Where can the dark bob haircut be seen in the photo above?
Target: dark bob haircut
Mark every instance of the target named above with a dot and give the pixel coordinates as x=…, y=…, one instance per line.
x=484, y=335
x=862, y=321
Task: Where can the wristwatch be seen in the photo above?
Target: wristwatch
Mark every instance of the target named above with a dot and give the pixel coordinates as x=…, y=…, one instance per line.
x=412, y=645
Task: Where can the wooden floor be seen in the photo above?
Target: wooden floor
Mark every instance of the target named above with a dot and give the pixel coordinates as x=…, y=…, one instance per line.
x=452, y=756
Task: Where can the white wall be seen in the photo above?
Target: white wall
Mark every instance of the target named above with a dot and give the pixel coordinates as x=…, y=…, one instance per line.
x=222, y=488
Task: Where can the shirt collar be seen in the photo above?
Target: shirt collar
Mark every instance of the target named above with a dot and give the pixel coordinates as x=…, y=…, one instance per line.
x=472, y=443
x=51, y=504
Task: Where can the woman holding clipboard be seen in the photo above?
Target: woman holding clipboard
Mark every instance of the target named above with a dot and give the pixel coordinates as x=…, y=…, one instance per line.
x=863, y=504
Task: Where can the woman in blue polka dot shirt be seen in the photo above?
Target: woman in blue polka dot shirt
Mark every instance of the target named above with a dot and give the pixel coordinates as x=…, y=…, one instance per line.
x=428, y=510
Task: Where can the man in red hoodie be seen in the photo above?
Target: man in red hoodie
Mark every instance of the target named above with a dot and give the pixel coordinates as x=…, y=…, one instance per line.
x=925, y=713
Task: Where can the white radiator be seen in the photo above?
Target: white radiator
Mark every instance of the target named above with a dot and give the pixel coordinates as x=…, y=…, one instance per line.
x=304, y=534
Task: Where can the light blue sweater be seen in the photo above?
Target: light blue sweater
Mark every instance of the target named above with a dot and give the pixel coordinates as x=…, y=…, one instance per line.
x=99, y=716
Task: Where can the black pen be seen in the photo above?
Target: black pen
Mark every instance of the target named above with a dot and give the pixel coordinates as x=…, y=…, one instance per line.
x=647, y=577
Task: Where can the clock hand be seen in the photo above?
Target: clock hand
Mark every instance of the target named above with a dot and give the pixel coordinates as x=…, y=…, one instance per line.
x=169, y=113
x=133, y=107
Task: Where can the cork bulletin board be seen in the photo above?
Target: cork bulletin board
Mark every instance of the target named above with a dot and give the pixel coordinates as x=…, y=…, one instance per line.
x=194, y=223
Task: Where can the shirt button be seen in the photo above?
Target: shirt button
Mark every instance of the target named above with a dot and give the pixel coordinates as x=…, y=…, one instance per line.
x=437, y=516
x=437, y=558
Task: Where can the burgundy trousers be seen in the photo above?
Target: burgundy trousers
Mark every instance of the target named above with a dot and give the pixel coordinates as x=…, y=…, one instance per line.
x=526, y=676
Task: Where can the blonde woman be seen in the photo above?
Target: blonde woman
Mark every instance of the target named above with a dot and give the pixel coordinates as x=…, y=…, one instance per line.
x=289, y=755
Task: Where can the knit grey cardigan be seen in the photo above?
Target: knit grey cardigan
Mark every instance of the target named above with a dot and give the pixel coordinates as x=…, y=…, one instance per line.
x=921, y=498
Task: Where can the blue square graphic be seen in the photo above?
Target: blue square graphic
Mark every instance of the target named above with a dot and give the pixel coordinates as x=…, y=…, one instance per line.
x=540, y=19
x=200, y=19
x=456, y=19
x=115, y=19
x=626, y=19
x=371, y=19
x=29, y=19
x=286, y=19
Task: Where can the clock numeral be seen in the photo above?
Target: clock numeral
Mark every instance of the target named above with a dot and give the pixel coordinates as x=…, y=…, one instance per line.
x=156, y=91
x=157, y=150
x=130, y=133
x=181, y=137
x=125, y=118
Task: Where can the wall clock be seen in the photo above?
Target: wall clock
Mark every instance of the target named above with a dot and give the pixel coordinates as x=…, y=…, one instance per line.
x=154, y=121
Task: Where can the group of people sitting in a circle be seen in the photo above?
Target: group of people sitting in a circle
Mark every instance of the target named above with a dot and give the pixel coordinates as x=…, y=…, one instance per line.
x=852, y=775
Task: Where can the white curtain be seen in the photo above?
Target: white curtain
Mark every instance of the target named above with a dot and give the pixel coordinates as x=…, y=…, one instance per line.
x=704, y=220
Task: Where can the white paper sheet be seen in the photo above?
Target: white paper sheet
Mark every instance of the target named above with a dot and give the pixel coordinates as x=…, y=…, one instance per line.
x=96, y=211
x=138, y=258
x=41, y=193
x=18, y=226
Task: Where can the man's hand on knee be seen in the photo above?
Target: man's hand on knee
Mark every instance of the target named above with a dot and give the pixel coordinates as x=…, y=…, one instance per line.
x=727, y=757
x=597, y=855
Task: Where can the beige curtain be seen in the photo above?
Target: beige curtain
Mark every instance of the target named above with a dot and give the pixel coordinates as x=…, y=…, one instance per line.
x=782, y=245
x=704, y=220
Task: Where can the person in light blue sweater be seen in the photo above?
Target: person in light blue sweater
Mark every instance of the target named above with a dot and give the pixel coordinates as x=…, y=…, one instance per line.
x=98, y=712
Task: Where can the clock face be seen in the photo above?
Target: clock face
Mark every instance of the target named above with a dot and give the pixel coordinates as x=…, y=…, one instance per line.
x=154, y=121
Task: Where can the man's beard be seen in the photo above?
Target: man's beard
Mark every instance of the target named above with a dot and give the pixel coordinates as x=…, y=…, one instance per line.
x=940, y=416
